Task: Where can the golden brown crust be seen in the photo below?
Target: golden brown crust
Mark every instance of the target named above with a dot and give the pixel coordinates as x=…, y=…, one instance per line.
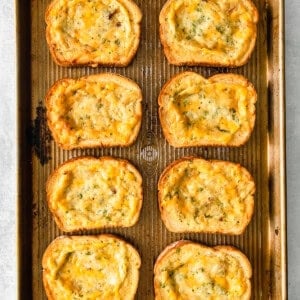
x=187, y=59
x=124, y=61
x=55, y=176
x=238, y=139
x=67, y=240
x=169, y=223
x=52, y=98
x=230, y=250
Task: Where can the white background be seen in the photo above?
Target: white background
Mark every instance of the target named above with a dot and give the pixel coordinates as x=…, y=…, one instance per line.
x=8, y=172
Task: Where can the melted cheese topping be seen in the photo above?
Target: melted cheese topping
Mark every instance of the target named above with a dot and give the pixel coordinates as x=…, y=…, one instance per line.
x=94, y=193
x=86, y=113
x=193, y=272
x=199, y=111
x=216, y=31
x=94, y=31
x=91, y=268
x=202, y=196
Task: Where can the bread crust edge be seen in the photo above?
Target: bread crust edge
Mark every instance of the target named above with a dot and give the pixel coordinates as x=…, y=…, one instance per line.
x=136, y=13
x=215, y=78
x=203, y=63
x=55, y=174
x=242, y=258
x=48, y=251
x=161, y=182
x=95, y=78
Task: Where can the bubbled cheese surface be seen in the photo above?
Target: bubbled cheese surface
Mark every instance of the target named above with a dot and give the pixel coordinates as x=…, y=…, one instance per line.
x=220, y=32
x=216, y=111
x=104, y=110
x=95, y=193
x=93, y=32
x=201, y=196
x=194, y=272
x=90, y=268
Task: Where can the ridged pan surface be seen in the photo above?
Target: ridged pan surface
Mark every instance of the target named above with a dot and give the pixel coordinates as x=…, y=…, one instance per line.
x=261, y=241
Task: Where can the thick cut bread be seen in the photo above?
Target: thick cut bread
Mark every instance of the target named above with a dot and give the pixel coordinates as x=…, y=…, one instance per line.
x=91, y=268
x=102, y=110
x=196, y=195
x=195, y=111
x=93, y=32
x=187, y=270
x=91, y=193
x=208, y=32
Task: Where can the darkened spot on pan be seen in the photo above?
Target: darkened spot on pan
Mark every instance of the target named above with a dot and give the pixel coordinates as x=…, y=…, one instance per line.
x=40, y=135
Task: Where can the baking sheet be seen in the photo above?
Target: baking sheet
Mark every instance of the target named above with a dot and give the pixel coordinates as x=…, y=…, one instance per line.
x=264, y=241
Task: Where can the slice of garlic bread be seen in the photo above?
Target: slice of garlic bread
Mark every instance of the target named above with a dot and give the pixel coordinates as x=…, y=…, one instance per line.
x=188, y=270
x=196, y=195
x=208, y=33
x=93, y=193
x=102, y=110
x=218, y=111
x=90, y=267
x=93, y=32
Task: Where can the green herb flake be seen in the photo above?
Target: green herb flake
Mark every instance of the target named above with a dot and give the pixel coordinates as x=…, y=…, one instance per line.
x=220, y=29
x=207, y=216
x=171, y=273
x=99, y=106
x=221, y=129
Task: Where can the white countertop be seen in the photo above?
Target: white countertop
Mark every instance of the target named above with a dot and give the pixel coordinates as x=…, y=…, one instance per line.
x=8, y=253
x=292, y=17
x=8, y=172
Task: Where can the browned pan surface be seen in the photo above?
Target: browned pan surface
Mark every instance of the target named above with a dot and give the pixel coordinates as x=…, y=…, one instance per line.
x=264, y=155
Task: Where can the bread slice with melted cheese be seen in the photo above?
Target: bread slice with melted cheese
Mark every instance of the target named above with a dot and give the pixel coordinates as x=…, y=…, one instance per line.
x=90, y=267
x=208, y=33
x=93, y=193
x=197, y=195
x=93, y=32
x=195, y=111
x=188, y=270
x=102, y=110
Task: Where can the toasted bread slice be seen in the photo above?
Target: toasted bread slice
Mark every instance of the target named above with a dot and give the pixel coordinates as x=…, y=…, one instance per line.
x=92, y=193
x=187, y=270
x=208, y=33
x=94, y=32
x=90, y=267
x=102, y=110
x=196, y=195
x=218, y=111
